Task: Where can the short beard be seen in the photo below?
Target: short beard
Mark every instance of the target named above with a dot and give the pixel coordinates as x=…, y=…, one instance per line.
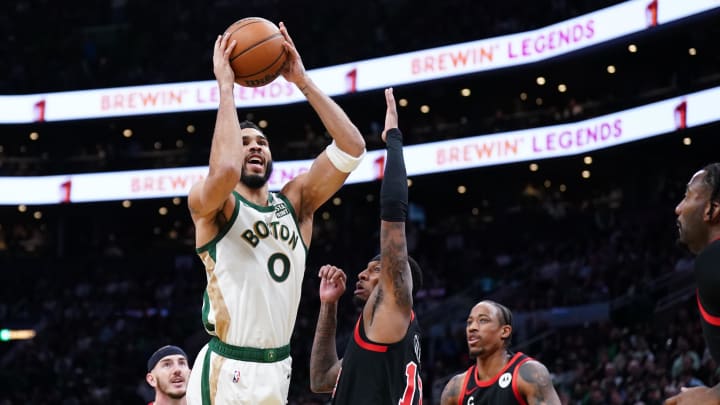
x=254, y=181
x=359, y=302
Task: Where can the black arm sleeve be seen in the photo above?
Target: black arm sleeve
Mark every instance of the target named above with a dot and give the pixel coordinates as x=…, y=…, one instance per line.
x=707, y=275
x=394, y=190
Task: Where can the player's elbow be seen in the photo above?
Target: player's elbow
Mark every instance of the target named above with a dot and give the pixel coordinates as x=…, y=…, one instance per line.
x=319, y=385
x=353, y=145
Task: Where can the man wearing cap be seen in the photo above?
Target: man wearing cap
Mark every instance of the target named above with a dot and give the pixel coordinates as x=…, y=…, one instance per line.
x=168, y=373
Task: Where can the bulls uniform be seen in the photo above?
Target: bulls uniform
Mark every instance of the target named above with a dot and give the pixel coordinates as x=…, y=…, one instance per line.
x=500, y=390
x=378, y=374
x=254, y=268
x=707, y=276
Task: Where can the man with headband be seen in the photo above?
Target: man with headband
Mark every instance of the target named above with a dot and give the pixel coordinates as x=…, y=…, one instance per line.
x=168, y=374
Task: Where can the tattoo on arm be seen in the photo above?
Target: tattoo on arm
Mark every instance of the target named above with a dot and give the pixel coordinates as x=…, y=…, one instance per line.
x=394, y=248
x=324, y=361
x=542, y=391
x=451, y=392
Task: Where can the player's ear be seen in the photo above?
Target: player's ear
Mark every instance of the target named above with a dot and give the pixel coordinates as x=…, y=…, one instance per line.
x=506, y=331
x=150, y=379
x=713, y=212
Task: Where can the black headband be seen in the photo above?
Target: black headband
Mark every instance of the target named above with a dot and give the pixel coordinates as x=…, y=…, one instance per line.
x=162, y=352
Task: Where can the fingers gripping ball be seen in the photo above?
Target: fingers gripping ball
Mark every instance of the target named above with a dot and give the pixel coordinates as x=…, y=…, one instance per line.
x=259, y=55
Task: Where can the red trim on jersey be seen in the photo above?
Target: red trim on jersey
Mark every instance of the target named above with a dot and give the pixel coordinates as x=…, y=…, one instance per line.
x=712, y=320
x=487, y=383
x=373, y=347
x=465, y=393
x=515, y=389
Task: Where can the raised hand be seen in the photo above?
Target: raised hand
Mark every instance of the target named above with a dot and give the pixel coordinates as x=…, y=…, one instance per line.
x=332, y=283
x=294, y=70
x=221, y=59
x=391, y=115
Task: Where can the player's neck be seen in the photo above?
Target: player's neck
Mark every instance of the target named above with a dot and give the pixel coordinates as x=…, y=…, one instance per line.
x=489, y=366
x=257, y=196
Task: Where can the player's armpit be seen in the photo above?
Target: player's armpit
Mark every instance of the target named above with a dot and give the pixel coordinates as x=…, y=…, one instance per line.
x=536, y=384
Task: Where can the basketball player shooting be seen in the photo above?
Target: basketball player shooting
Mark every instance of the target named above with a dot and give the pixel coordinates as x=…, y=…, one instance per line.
x=253, y=242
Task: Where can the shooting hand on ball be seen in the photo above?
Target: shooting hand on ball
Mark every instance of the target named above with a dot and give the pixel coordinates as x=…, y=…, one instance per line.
x=221, y=60
x=293, y=71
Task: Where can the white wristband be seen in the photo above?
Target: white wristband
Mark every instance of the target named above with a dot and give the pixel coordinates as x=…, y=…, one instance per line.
x=341, y=159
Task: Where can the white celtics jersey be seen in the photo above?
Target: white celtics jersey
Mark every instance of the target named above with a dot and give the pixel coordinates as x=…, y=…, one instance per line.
x=255, y=268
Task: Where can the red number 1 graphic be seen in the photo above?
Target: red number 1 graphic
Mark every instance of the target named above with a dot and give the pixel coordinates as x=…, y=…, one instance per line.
x=411, y=374
x=380, y=167
x=65, y=189
x=351, y=81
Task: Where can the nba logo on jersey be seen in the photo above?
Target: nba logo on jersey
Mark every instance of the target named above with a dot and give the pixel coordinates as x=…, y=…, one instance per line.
x=236, y=376
x=504, y=380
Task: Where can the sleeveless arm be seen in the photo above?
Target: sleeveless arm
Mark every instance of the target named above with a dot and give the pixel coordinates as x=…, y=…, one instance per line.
x=536, y=385
x=324, y=362
x=388, y=311
x=323, y=179
x=451, y=392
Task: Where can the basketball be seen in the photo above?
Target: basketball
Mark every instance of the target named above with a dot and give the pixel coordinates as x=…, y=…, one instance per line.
x=259, y=54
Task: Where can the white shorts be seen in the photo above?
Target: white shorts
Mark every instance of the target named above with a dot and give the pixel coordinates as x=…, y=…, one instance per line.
x=224, y=380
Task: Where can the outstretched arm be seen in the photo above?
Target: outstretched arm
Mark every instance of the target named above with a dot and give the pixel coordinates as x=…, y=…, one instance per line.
x=388, y=311
x=536, y=385
x=330, y=169
x=324, y=362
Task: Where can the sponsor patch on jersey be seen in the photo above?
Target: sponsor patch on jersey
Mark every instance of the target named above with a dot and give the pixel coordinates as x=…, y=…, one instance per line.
x=504, y=380
x=281, y=210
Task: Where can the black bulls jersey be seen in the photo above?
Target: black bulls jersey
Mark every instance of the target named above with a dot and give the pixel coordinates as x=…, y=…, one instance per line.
x=500, y=390
x=379, y=374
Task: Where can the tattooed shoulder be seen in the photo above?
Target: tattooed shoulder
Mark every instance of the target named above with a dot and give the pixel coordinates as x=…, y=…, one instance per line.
x=535, y=373
x=451, y=392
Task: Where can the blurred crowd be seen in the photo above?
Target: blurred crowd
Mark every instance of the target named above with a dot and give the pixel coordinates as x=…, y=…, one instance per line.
x=105, y=301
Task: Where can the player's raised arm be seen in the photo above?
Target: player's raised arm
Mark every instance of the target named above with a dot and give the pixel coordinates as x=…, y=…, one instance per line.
x=332, y=167
x=388, y=315
x=208, y=196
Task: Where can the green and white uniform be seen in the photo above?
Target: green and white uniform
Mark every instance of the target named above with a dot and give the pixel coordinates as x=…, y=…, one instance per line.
x=255, y=268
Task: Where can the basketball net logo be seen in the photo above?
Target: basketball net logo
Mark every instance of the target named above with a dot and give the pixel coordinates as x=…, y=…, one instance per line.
x=505, y=380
